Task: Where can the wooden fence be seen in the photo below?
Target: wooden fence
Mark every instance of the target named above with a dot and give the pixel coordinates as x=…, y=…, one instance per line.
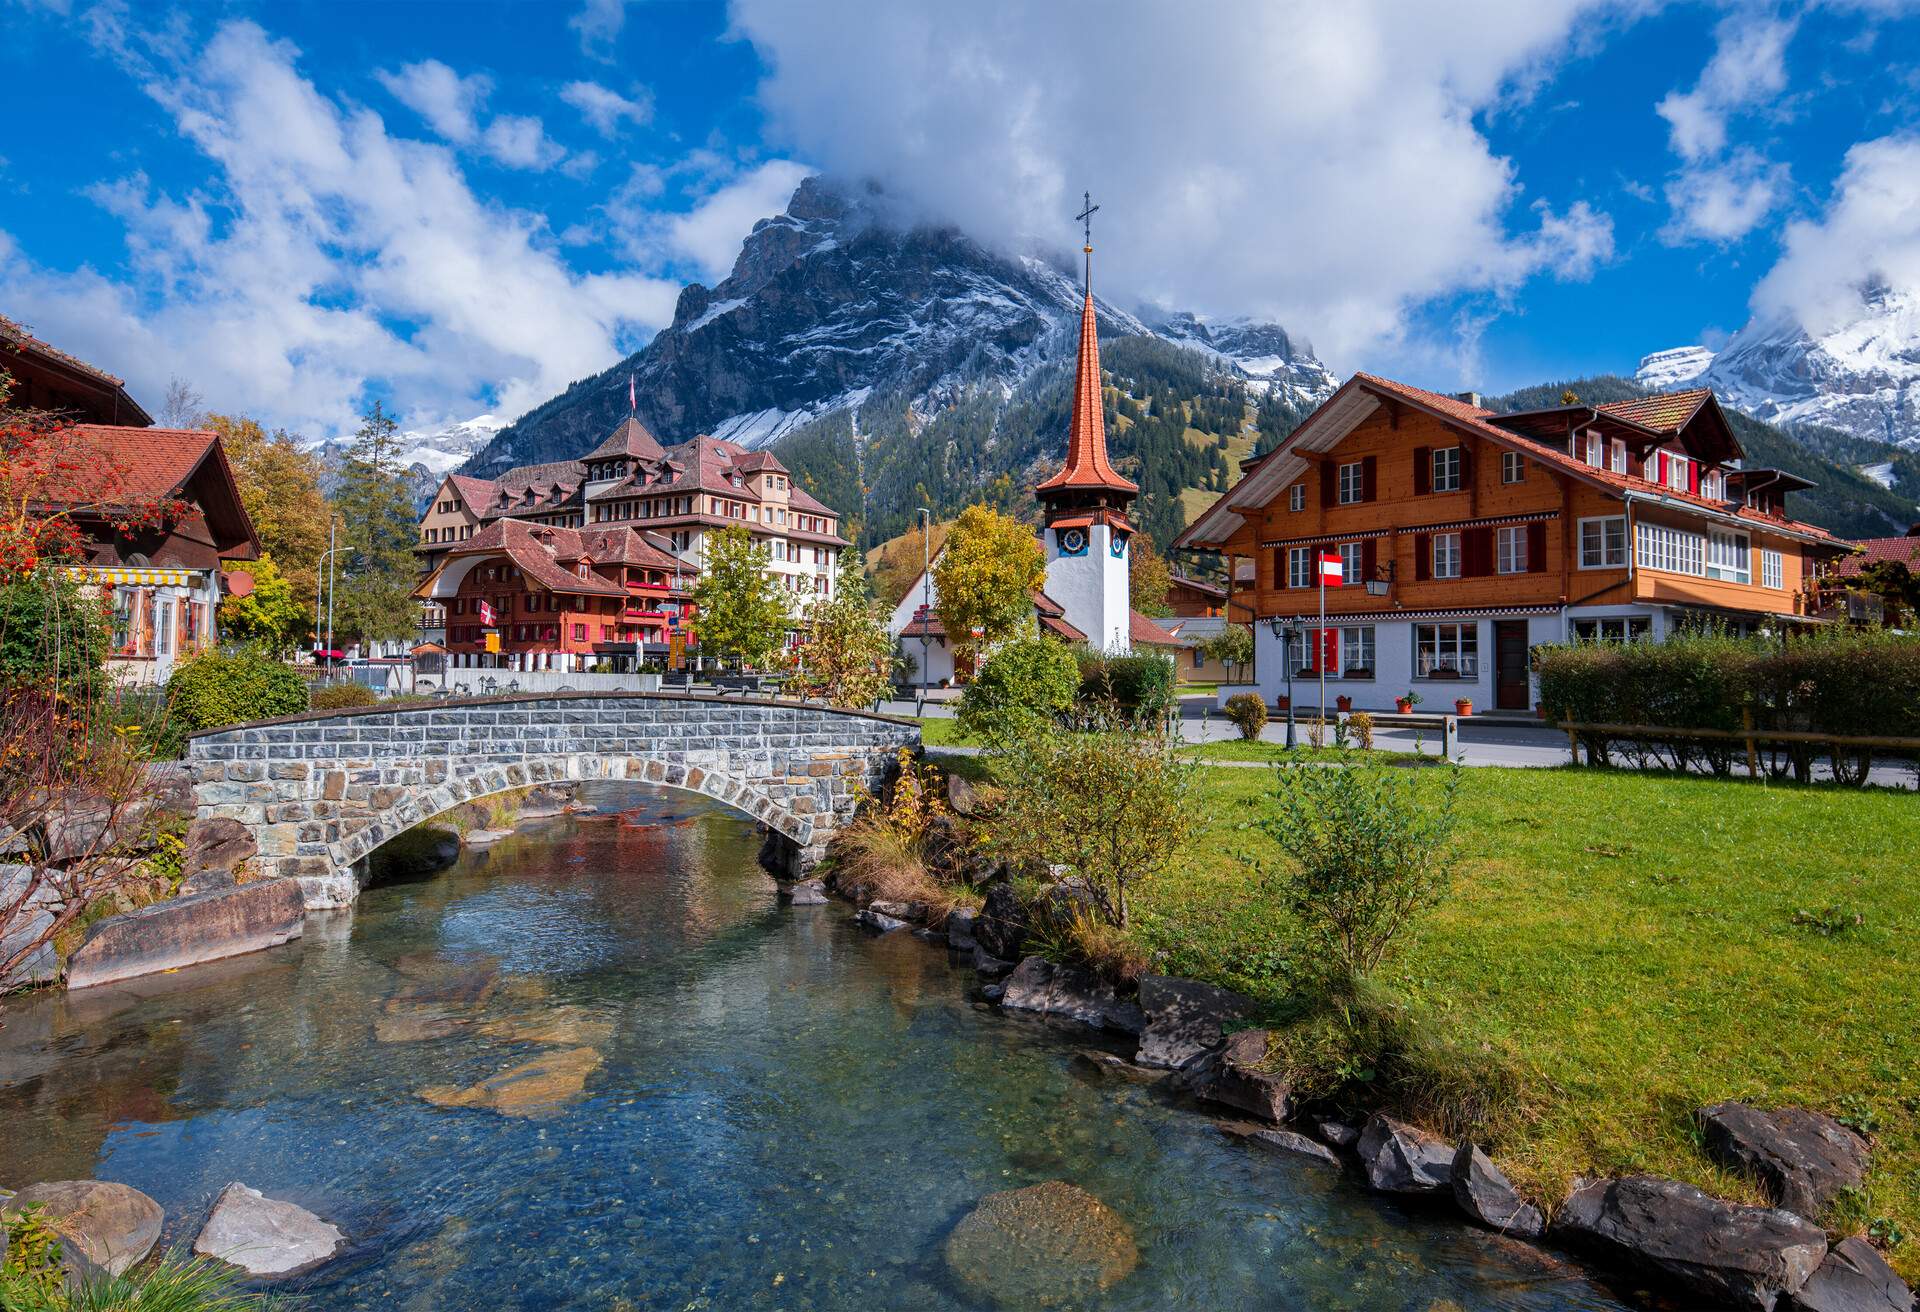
x=1748, y=735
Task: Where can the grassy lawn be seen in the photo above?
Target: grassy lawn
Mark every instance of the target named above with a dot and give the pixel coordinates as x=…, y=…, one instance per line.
x=943, y=731
x=1637, y=946
x=1239, y=749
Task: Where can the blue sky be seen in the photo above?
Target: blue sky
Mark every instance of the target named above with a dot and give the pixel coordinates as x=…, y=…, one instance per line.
x=463, y=206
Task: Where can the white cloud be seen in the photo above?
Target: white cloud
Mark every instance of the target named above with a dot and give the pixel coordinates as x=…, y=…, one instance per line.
x=520, y=142
x=1317, y=163
x=325, y=257
x=1724, y=201
x=1749, y=67
x=707, y=236
x=606, y=109
x=447, y=101
x=598, y=25
x=1868, y=236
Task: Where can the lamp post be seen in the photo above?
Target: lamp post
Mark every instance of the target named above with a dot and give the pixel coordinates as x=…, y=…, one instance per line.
x=1283, y=627
x=926, y=601
x=326, y=558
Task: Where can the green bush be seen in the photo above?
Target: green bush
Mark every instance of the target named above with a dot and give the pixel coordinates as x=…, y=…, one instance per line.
x=50, y=629
x=1140, y=685
x=214, y=690
x=1027, y=678
x=1248, y=711
x=340, y=696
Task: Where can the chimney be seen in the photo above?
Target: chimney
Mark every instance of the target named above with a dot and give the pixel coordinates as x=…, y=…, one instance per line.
x=1470, y=398
x=1913, y=530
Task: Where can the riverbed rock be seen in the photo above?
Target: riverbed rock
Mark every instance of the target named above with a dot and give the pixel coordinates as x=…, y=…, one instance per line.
x=1096, y=1064
x=541, y=1087
x=1283, y=1141
x=1744, y=1257
x=1484, y=1193
x=1339, y=1133
x=959, y=929
x=1853, y=1278
x=878, y=921
x=35, y=917
x=559, y=1027
x=987, y=965
x=1043, y=1246
x=911, y=912
x=1184, y=1018
x=485, y=837
x=1001, y=927
x=1233, y=1075
x=807, y=893
x=110, y=1225
x=1801, y=1158
x=439, y=996
x=1398, y=1158
x=218, y=854
x=189, y=930
x=1071, y=993
x=264, y=1236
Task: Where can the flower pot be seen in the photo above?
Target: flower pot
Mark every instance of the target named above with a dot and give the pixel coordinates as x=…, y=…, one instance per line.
x=1539, y=710
x=1281, y=702
x=1343, y=703
x=1463, y=706
x=1403, y=705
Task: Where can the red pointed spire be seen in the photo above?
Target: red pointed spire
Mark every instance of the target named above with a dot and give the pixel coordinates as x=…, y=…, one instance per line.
x=1088, y=468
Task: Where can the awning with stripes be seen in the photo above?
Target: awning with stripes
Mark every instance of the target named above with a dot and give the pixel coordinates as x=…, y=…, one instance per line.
x=137, y=576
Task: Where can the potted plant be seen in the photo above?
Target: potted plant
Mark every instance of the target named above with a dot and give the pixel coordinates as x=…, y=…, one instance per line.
x=1343, y=703
x=1405, y=703
x=650, y=672
x=1463, y=706
x=1282, y=702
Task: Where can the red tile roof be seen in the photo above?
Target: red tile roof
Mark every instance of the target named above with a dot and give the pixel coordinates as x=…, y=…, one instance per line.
x=1087, y=465
x=141, y=463
x=1666, y=413
x=13, y=336
x=1904, y=550
x=1142, y=629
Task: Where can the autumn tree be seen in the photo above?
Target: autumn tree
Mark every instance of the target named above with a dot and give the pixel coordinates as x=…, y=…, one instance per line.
x=902, y=559
x=280, y=487
x=374, y=595
x=846, y=654
x=271, y=614
x=985, y=580
x=1148, y=578
x=743, y=613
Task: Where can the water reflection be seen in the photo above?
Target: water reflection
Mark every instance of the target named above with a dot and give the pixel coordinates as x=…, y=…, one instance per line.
x=617, y=1074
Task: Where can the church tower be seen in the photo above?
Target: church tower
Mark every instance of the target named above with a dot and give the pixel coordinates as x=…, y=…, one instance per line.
x=1086, y=533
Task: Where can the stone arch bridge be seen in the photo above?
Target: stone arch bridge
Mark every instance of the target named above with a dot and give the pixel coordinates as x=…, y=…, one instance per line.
x=321, y=791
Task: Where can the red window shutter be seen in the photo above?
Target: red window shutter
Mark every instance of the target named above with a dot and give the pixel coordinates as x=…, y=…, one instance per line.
x=1370, y=479
x=1423, y=556
x=1327, y=475
x=1693, y=477
x=1279, y=567
x=1369, y=555
x=1330, y=650
x=1476, y=546
x=1422, y=470
x=1466, y=466
x=1537, y=547
x=1660, y=467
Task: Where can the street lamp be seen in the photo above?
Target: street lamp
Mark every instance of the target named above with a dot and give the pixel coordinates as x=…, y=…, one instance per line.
x=926, y=601
x=1283, y=629
x=326, y=558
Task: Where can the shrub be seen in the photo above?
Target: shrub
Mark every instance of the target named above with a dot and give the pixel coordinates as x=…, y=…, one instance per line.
x=1112, y=804
x=214, y=690
x=50, y=629
x=340, y=696
x=1368, y=855
x=1141, y=685
x=1360, y=725
x=1232, y=647
x=1027, y=678
x=1248, y=711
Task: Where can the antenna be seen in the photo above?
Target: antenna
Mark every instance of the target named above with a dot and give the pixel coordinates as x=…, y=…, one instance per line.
x=1086, y=219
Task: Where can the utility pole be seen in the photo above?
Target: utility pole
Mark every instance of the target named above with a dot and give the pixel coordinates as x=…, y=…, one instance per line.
x=332, y=525
x=926, y=599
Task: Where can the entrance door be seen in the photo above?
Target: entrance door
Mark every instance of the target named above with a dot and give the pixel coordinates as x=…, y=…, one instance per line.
x=1510, y=664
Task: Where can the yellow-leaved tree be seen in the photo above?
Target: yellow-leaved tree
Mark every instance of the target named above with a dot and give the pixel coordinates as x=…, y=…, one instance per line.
x=985, y=580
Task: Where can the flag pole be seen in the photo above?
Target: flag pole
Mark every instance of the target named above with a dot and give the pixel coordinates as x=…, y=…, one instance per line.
x=1320, y=656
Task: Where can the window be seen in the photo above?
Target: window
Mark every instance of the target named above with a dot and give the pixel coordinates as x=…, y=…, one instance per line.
x=1446, y=469
x=1297, y=497
x=1729, y=556
x=1353, y=483
x=1356, y=652
x=1625, y=628
x=1299, y=567
x=1353, y=557
x=1619, y=456
x=1446, y=555
x=1773, y=570
x=579, y=633
x=1446, y=650
x=1596, y=449
x=1513, y=467
x=162, y=626
x=1713, y=485
x=1510, y=549
x=1603, y=543
x=1674, y=550
x=1300, y=648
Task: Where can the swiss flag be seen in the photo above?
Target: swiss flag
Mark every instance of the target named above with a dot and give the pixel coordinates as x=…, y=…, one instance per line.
x=486, y=615
x=1331, y=572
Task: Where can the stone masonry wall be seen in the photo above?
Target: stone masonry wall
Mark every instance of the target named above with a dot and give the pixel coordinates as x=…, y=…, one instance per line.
x=322, y=791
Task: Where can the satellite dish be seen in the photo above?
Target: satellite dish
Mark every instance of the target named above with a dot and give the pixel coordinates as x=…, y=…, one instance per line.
x=138, y=558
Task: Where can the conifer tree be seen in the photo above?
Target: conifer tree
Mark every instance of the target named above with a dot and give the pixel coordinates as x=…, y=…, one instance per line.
x=376, y=570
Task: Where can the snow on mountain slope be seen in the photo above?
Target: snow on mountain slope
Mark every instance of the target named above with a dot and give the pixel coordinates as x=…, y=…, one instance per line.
x=1665, y=370
x=428, y=455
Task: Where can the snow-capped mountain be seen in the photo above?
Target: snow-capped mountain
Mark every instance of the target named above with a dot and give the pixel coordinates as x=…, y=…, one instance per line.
x=428, y=455
x=1862, y=377
x=830, y=304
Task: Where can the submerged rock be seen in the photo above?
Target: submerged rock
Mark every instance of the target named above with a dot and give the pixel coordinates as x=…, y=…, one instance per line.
x=112, y=1226
x=1285, y=1141
x=1099, y=1065
x=1184, y=1018
x=807, y=893
x=1854, y=1278
x=567, y=1027
x=878, y=922
x=1484, y=1193
x=264, y=1236
x=1744, y=1257
x=1233, y=1076
x=1398, y=1158
x=1070, y=993
x=1043, y=1246
x=540, y=1087
x=1801, y=1158
x=438, y=998
x=485, y=837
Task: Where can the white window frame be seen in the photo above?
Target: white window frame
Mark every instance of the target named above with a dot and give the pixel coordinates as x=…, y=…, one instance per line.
x=1297, y=497
x=1353, y=557
x=1356, y=641
x=1613, y=628
x=1510, y=549
x=1610, y=555
x=1433, y=644
x=1729, y=556
x=1513, y=467
x=1350, y=485
x=1713, y=485
x=1300, y=567
x=1619, y=456
x=1596, y=449
x=1669, y=550
x=1446, y=469
x=1773, y=569
x=1446, y=551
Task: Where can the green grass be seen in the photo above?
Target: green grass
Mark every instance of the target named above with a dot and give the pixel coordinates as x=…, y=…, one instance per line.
x=1239, y=749
x=944, y=731
x=1636, y=945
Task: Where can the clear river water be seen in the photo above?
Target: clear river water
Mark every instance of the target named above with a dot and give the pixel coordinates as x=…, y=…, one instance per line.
x=600, y=1066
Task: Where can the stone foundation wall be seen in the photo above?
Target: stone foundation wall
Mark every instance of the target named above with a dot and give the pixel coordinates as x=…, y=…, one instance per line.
x=322, y=791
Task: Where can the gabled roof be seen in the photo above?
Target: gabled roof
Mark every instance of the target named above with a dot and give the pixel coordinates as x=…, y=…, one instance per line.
x=801, y=499
x=1087, y=467
x=538, y=550
x=128, y=466
x=1904, y=550
x=1143, y=630
x=1665, y=413
x=632, y=439
x=17, y=340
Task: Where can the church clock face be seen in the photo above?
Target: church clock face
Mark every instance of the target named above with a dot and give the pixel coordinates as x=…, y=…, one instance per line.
x=1073, y=542
x=1119, y=547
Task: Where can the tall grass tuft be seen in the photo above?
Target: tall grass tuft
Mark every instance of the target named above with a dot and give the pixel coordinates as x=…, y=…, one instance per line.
x=171, y=1283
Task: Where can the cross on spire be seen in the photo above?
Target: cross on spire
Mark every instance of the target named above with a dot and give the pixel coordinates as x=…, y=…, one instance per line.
x=1086, y=219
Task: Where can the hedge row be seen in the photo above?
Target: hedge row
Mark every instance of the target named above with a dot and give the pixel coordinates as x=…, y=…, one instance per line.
x=1841, y=681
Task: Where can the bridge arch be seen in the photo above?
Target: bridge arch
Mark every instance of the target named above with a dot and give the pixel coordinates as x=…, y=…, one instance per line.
x=322, y=790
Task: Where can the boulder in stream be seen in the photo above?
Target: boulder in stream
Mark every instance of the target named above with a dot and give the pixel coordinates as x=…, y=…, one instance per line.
x=110, y=1226
x=1184, y=1018
x=1071, y=993
x=1236, y=1075
x=189, y=930
x=1854, y=1278
x=541, y=1087
x=264, y=1236
x=1043, y=1246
